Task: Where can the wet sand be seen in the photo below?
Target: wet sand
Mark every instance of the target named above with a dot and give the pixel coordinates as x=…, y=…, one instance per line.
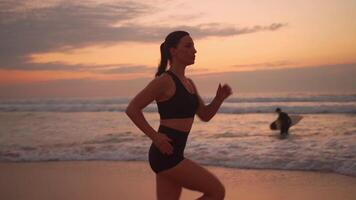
x=89, y=180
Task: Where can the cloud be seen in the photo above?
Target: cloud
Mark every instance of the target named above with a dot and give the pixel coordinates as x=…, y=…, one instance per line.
x=216, y=29
x=328, y=79
x=265, y=65
x=98, y=69
x=53, y=66
x=65, y=25
x=27, y=28
x=337, y=78
x=127, y=70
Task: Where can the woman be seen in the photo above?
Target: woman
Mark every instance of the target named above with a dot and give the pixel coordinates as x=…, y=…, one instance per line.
x=178, y=101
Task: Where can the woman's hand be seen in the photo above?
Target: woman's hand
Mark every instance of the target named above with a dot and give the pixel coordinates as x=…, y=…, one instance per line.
x=223, y=92
x=161, y=141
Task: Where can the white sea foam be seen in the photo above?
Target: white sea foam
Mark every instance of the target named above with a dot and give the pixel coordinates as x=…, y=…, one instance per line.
x=319, y=142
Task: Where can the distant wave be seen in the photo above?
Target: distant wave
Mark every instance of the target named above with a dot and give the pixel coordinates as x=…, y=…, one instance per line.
x=322, y=104
x=119, y=149
x=319, y=98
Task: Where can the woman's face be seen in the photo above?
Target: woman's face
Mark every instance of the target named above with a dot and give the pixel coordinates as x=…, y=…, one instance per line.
x=184, y=52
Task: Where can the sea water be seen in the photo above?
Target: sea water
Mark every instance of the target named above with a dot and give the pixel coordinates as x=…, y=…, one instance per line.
x=238, y=136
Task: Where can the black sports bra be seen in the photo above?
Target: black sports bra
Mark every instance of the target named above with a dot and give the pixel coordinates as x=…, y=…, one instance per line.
x=181, y=105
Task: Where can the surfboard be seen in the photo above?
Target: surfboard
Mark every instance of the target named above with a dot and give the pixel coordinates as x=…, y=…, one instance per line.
x=276, y=125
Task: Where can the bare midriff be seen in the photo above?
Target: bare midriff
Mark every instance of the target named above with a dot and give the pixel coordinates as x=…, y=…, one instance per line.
x=179, y=124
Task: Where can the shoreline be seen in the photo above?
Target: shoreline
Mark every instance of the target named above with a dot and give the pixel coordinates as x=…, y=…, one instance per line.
x=205, y=165
x=135, y=180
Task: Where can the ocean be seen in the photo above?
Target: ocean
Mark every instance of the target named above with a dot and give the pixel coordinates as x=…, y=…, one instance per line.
x=237, y=137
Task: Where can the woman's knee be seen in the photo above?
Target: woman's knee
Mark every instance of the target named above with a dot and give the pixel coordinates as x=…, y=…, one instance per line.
x=216, y=192
x=194, y=177
x=219, y=191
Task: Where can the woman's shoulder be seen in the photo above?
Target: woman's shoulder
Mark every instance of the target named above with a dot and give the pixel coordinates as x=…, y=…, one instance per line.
x=164, y=80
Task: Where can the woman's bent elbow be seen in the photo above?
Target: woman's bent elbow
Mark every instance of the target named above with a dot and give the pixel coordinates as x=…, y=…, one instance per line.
x=129, y=111
x=205, y=118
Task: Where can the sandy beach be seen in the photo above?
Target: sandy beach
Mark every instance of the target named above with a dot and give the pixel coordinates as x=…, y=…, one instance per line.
x=134, y=180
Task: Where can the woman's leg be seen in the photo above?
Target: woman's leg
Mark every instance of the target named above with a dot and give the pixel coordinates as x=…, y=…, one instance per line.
x=190, y=175
x=167, y=189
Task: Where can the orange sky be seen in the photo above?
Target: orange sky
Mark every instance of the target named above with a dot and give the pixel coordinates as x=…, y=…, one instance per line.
x=311, y=33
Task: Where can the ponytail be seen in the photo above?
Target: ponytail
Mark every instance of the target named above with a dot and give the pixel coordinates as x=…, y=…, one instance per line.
x=171, y=41
x=164, y=60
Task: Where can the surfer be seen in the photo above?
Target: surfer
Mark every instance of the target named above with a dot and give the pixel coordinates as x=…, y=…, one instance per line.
x=285, y=121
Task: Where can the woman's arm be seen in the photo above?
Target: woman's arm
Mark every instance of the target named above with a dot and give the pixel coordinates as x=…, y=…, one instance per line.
x=154, y=90
x=206, y=112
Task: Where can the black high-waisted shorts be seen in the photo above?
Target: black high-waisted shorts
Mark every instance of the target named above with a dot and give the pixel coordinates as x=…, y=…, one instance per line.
x=160, y=162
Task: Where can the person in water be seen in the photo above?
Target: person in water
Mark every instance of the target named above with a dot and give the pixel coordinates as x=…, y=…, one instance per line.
x=178, y=101
x=285, y=121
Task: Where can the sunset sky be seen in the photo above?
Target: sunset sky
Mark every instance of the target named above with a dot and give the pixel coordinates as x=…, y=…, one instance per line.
x=54, y=48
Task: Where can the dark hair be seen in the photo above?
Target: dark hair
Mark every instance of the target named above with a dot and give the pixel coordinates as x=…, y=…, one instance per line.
x=278, y=110
x=171, y=40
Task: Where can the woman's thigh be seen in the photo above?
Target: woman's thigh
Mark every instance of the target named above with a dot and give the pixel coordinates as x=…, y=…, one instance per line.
x=190, y=175
x=167, y=189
